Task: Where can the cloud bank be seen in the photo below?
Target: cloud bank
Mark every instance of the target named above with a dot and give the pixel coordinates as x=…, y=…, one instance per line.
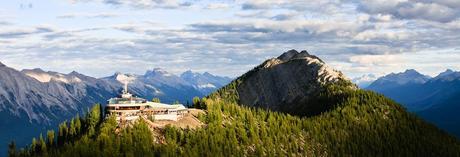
x=357, y=37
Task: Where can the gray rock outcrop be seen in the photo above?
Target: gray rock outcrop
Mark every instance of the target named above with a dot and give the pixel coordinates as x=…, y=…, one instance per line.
x=292, y=78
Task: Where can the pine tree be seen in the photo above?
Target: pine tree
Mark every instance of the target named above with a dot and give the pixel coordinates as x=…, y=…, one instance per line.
x=12, y=149
x=50, y=137
x=196, y=102
x=157, y=100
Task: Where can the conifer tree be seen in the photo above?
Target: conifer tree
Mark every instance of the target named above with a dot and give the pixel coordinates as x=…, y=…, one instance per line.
x=157, y=100
x=50, y=137
x=12, y=149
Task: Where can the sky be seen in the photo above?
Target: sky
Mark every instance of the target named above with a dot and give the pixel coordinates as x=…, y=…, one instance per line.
x=228, y=37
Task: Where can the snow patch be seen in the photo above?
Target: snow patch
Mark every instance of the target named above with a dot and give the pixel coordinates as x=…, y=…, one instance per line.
x=122, y=78
x=208, y=85
x=46, y=77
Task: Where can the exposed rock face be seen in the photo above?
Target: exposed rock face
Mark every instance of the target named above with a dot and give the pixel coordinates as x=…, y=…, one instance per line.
x=32, y=101
x=292, y=78
x=46, y=97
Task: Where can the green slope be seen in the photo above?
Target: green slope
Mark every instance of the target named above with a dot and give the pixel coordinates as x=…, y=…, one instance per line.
x=360, y=123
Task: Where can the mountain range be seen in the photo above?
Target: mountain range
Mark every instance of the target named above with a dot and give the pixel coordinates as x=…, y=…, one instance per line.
x=292, y=105
x=433, y=98
x=33, y=100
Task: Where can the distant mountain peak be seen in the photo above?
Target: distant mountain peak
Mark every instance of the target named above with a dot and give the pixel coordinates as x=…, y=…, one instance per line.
x=204, y=82
x=48, y=76
x=445, y=73
x=409, y=76
x=118, y=74
x=448, y=75
x=120, y=77
x=408, y=73
x=2, y=65
x=74, y=73
x=411, y=71
x=157, y=71
x=188, y=71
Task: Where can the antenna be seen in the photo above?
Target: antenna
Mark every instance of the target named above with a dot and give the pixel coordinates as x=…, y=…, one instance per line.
x=125, y=91
x=126, y=87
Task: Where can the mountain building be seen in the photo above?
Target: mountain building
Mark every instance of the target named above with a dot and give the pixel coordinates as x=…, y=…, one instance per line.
x=128, y=108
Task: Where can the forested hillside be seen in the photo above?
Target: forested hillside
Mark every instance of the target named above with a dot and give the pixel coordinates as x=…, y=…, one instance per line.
x=360, y=123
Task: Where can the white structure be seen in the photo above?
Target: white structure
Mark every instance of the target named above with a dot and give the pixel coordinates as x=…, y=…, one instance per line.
x=129, y=108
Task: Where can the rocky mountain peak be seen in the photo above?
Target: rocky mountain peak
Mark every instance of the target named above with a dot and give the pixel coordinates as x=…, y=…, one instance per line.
x=116, y=74
x=208, y=74
x=292, y=78
x=74, y=73
x=288, y=55
x=294, y=54
x=122, y=78
x=324, y=72
x=448, y=75
x=445, y=73
x=409, y=76
x=188, y=72
x=157, y=72
x=411, y=72
x=1, y=64
x=448, y=71
x=48, y=76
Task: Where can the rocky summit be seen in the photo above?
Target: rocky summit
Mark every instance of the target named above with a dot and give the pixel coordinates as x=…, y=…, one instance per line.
x=292, y=78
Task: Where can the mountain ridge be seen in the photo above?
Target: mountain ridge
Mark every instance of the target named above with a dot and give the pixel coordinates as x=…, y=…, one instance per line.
x=204, y=82
x=435, y=100
x=35, y=99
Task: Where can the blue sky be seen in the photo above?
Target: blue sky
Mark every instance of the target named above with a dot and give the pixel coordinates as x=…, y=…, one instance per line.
x=100, y=37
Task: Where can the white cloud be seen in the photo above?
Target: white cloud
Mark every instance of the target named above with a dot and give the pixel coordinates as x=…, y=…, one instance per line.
x=440, y=11
x=88, y=15
x=25, y=31
x=376, y=60
x=217, y=6
x=227, y=37
x=143, y=4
